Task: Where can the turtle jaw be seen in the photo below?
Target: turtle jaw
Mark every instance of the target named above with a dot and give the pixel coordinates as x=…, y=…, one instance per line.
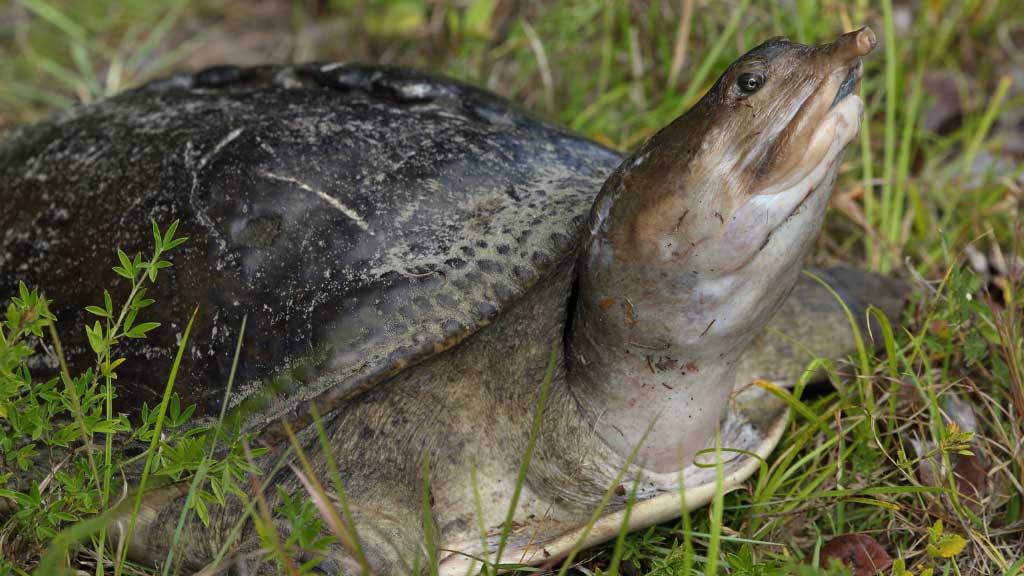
x=772, y=231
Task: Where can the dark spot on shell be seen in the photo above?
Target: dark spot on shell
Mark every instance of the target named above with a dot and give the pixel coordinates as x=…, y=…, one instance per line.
x=490, y=267
x=455, y=263
x=391, y=277
x=521, y=273
x=468, y=251
x=451, y=328
x=481, y=244
x=540, y=259
x=366, y=433
x=511, y=192
x=259, y=232
x=486, y=310
x=217, y=76
x=503, y=249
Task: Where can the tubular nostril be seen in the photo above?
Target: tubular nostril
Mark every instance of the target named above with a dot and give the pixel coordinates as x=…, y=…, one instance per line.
x=865, y=41
x=854, y=44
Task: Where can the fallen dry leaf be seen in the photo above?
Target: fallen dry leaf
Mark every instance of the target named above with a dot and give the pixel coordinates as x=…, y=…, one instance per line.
x=860, y=552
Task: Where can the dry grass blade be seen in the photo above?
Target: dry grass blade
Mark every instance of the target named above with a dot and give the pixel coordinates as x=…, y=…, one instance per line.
x=323, y=502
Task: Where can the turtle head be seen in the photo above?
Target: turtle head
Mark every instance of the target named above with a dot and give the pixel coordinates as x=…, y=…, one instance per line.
x=735, y=189
x=700, y=235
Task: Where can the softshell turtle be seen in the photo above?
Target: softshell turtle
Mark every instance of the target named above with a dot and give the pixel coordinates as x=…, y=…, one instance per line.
x=411, y=252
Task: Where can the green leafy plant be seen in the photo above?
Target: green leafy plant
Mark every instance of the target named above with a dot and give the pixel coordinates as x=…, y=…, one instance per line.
x=50, y=429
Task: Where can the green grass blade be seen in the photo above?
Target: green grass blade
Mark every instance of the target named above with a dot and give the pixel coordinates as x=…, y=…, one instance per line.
x=204, y=465
x=153, y=443
x=524, y=466
x=714, y=543
x=620, y=539
x=339, y=490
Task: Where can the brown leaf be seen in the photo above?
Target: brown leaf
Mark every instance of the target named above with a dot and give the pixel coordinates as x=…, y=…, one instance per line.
x=971, y=479
x=860, y=552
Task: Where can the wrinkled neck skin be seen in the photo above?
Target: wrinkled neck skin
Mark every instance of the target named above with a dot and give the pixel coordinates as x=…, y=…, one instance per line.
x=687, y=259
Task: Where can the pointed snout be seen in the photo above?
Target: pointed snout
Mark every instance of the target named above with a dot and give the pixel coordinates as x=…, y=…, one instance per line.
x=855, y=44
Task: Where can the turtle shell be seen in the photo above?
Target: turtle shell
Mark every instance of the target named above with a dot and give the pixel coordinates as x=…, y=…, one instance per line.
x=362, y=218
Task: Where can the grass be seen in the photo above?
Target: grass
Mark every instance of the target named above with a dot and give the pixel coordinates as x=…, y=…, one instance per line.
x=941, y=205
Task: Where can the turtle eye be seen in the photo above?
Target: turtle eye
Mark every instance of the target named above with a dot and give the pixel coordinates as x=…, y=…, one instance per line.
x=750, y=82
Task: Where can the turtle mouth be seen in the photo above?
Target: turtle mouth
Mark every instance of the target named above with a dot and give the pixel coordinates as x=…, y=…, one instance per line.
x=849, y=84
x=840, y=125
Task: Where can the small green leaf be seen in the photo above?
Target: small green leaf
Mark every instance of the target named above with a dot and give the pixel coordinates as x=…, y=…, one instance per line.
x=948, y=546
x=175, y=243
x=95, y=336
x=140, y=330
x=126, y=262
x=97, y=311
x=110, y=426
x=157, y=240
x=941, y=545
x=169, y=235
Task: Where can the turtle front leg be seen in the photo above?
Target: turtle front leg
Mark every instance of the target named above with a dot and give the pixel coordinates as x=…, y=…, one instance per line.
x=812, y=323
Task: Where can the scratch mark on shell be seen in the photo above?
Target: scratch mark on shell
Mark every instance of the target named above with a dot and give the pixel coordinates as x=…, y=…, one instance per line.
x=334, y=202
x=220, y=146
x=710, y=324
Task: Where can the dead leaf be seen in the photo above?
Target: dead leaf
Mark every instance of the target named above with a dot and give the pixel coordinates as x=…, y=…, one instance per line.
x=860, y=552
